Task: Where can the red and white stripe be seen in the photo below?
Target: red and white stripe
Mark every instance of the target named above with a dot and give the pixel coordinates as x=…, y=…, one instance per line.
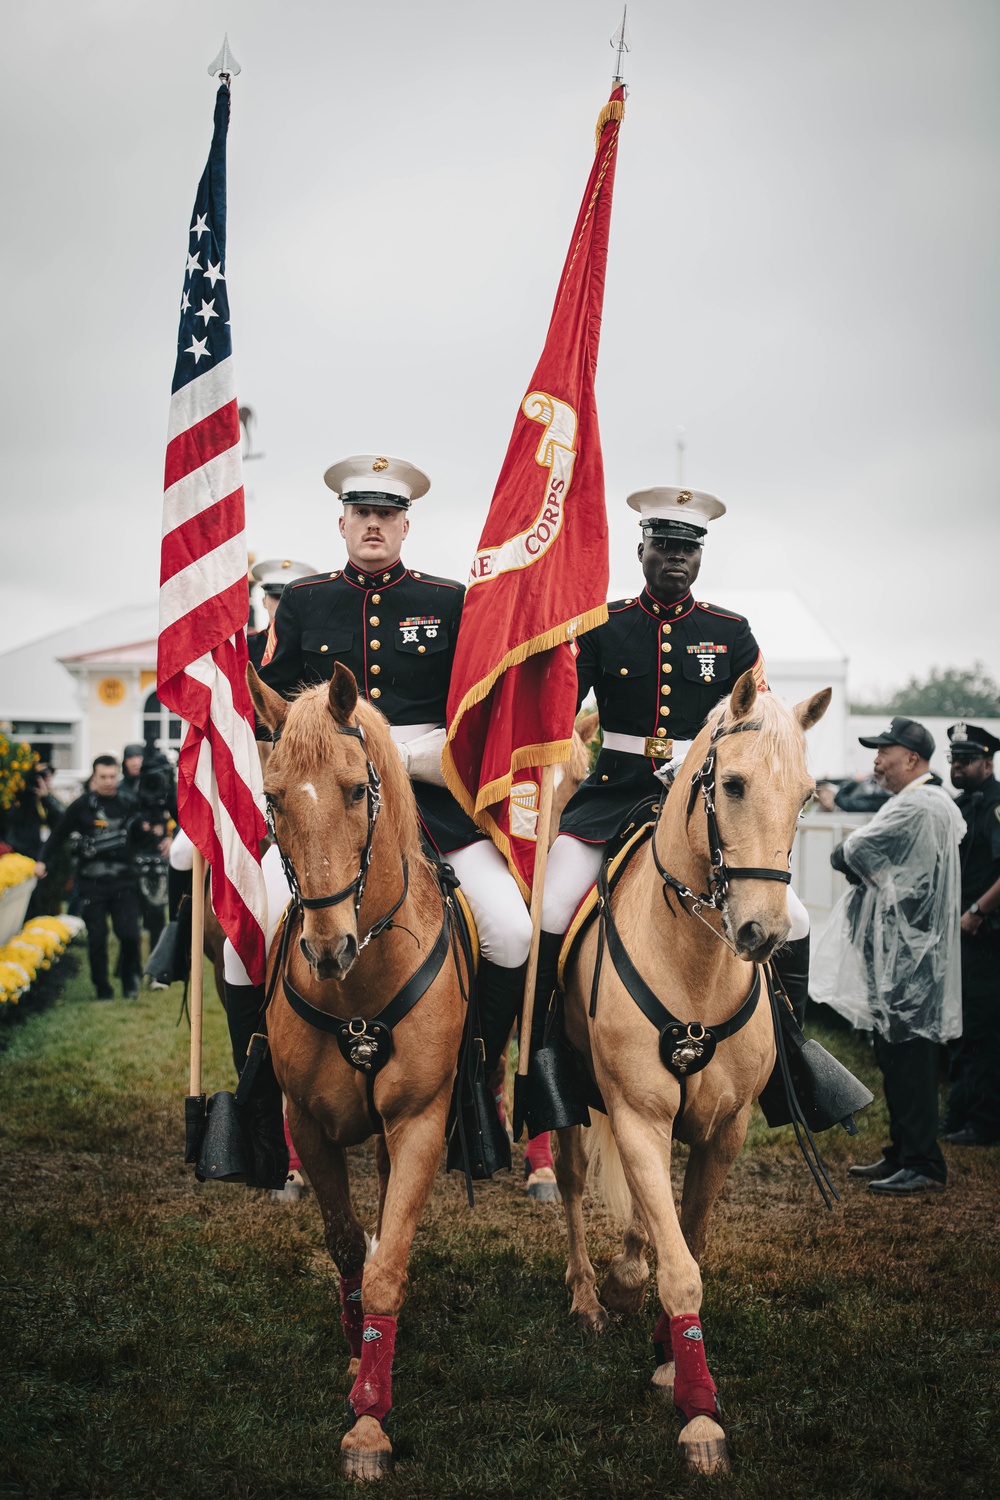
x=202, y=657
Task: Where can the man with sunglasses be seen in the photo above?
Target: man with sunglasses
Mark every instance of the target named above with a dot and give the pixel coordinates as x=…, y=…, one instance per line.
x=973, y=1113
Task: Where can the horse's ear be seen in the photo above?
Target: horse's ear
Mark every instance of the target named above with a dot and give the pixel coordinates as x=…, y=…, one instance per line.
x=269, y=706
x=743, y=697
x=811, y=710
x=586, y=726
x=343, y=694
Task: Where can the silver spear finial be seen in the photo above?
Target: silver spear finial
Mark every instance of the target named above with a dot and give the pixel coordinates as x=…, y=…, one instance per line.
x=620, y=44
x=225, y=64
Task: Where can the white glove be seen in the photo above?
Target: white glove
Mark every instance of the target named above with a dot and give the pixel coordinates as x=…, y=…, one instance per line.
x=422, y=756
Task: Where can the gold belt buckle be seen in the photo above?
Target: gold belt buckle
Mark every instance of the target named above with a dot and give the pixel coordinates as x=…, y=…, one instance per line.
x=658, y=749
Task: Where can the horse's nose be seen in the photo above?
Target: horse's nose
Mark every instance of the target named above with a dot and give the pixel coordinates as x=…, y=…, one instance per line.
x=333, y=962
x=753, y=941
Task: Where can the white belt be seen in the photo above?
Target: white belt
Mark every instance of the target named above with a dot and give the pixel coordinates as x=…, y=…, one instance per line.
x=652, y=747
x=403, y=733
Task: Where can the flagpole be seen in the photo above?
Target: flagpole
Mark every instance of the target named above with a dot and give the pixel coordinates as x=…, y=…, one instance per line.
x=537, y=893
x=195, y=993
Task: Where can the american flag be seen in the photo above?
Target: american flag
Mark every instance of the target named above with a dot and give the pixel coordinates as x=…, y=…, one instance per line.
x=202, y=656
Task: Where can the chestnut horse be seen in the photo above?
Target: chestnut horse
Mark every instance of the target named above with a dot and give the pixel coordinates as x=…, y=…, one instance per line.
x=701, y=957
x=366, y=916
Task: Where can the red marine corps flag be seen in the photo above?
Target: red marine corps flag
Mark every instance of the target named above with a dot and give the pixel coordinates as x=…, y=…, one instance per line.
x=540, y=575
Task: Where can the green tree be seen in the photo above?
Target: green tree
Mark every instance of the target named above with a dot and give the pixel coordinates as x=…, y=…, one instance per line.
x=963, y=692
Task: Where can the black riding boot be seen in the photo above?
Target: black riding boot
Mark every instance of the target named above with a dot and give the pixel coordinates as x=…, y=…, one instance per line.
x=556, y=1093
x=259, y=1103
x=477, y=1142
x=792, y=965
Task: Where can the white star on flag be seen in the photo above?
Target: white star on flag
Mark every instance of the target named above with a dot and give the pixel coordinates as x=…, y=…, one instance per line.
x=200, y=227
x=194, y=264
x=214, y=272
x=185, y=302
x=207, y=310
x=198, y=347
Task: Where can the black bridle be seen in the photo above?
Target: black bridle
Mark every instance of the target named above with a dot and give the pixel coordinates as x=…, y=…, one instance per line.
x=721, y=875
x=356, y=887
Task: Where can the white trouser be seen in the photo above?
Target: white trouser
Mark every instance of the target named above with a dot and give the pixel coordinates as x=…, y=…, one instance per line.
x=573, y=868
x=501, y=916
x=181, y=851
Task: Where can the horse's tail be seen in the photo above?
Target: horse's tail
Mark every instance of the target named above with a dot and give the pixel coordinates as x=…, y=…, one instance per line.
x=605, y=1173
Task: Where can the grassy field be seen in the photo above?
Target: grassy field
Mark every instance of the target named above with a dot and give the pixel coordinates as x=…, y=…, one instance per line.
x=163, y=1338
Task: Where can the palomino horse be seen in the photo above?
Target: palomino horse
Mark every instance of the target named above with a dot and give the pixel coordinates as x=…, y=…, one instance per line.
x=698, y=954
x=367, y=917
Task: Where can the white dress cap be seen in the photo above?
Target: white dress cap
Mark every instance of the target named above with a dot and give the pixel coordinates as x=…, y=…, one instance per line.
x=374, y=474
x=275, y=572
x=693, y=508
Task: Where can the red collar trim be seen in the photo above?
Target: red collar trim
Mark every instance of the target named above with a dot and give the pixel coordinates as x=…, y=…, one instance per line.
x=666, y=614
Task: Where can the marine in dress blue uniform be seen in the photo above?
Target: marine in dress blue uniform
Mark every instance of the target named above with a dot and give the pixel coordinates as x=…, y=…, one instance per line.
x=273, y=575
x=973, y=1113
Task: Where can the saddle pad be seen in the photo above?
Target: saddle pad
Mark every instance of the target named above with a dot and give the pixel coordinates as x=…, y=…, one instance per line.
x=587, y=909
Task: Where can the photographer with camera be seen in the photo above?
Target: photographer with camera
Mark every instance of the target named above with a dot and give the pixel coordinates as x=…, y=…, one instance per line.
x=107, y=824
x=151, y=784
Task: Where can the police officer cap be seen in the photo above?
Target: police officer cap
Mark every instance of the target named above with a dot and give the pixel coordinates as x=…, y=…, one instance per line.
x=972, y=740
x=274, y=573
x=371, y=479
x=905, y=732
x=684, y=514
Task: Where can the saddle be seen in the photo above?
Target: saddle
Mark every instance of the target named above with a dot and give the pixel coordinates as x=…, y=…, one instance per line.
x=634, y=832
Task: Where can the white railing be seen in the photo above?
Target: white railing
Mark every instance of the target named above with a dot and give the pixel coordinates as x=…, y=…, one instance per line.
x=818, y=885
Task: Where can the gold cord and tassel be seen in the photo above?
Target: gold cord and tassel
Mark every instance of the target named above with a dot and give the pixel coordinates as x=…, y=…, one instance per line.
x=613, y=110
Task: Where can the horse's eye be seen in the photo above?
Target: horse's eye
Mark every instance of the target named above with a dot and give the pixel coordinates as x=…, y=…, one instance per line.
x=734, y=787
x=358, y=792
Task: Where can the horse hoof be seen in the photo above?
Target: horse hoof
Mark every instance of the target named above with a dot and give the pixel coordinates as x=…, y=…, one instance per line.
x=542, y=1186
x=663, y=1380
x=358, y=1463
x=590, y=1322
x=625, y=1300
x=703, y=1444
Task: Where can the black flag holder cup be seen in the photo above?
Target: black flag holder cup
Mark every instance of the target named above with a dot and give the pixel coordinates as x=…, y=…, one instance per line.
x=807, y=1084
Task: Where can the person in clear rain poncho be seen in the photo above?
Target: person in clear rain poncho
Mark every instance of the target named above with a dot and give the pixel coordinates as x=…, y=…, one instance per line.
x=889, y=958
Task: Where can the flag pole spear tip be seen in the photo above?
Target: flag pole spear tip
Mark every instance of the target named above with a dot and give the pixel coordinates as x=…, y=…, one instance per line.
x=615, y=108
x=619, y=44
x=224, y=63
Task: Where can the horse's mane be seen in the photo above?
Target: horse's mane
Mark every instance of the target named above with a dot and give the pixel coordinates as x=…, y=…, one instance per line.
x=310, y=734
x=781, y=736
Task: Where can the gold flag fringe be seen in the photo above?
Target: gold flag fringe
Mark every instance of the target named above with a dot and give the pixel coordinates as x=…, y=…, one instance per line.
x=613, y=110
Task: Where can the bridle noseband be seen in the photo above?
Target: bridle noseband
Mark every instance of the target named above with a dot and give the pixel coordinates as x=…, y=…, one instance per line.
x=721, y=875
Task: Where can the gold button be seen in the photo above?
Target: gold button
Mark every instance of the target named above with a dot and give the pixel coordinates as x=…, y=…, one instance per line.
x=373, y=620
x=661, y=731
x=629, y=601
x=421, y=650
x=324, y=648
x=375, y=693
x=667, y=629
x=666, y=646
x=623, y=671
x=604, y=778
x=376, y=598
x=335, y=575
x=415, y=574
x=665, y=690
x=375, y=670
x=667, y=667
x=374, y=645
x=664, y=711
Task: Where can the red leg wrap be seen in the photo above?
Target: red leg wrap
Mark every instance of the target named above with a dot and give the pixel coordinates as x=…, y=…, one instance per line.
x=538, y=1152
x=371, y=1394
x=694, y=1388
x=351, y=1315
x=294, y=1161
x=661, y=1340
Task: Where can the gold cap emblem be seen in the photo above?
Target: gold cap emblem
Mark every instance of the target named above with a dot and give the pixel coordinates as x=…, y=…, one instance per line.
x=683, y=497
x=287, y=563
x=380, y=464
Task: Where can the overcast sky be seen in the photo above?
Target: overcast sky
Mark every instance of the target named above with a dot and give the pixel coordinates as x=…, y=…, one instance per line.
x=802, y=274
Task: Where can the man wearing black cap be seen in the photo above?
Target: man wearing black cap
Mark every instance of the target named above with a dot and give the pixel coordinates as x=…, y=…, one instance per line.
x=888, y=960
x=973, y=1114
